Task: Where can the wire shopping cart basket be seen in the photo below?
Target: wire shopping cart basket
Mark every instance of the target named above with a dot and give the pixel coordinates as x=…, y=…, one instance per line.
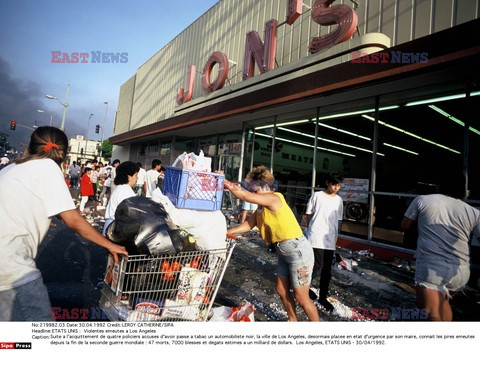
x=179, y=287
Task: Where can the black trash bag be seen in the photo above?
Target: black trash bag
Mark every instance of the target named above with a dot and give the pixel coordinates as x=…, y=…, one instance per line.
x=183, y=240
x=141, y=226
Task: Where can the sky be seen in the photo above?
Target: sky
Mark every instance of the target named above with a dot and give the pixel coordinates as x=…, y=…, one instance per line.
x=32, y=29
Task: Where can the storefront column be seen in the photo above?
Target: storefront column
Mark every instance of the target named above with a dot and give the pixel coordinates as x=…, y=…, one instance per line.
x=466, y=141
x=273, y=143
x=216, y=165
x=253, y=149
x=373, y=175
x=315, y=143
x=242, y=153
x=172, y=150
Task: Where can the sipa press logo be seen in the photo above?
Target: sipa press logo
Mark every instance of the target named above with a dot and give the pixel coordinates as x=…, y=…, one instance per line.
x=15, y=345
x=92, y=57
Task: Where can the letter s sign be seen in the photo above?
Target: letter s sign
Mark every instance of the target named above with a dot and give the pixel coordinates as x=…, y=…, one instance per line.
x=342, y=15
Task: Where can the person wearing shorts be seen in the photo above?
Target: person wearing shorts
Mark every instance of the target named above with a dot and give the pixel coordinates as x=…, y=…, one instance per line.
x=246, y=209
x=441, y=276
x=278, y=226
x=445, y=225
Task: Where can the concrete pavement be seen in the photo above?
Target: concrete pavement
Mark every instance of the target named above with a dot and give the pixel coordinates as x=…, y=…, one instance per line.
x=73, y=271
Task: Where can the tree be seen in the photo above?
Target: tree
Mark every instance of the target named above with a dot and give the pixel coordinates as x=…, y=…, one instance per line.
x=106, y=149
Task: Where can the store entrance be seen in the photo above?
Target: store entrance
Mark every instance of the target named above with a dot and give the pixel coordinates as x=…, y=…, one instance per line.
x=229, y=164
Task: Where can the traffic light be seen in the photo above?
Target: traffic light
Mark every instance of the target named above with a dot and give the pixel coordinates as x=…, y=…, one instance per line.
x=13, y=125
x=97, y=129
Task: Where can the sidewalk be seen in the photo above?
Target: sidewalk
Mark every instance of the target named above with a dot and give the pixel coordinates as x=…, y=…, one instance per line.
x=372, y=285
x=73, y=271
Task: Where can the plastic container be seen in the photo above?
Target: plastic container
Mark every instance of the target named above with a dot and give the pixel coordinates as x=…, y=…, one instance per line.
x=193, y=189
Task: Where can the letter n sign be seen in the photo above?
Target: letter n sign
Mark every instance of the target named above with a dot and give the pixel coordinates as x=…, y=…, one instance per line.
x=261, y=53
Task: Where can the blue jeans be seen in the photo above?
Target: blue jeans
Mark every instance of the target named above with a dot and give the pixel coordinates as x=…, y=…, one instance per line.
x=27, y=302
x=295, y=259
x=73, y=182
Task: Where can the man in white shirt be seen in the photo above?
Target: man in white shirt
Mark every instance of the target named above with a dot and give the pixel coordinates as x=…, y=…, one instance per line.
x=104, y=174
x=324, y=217
x=152, y=178
x=115, y=164
x=4, y=161
x=142, y=174
x=106, y=171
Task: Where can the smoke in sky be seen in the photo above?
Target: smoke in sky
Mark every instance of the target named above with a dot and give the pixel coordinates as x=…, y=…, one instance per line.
x=20, y=101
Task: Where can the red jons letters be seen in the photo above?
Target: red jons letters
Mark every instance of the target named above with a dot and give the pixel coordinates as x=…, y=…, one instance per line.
x=263, y=53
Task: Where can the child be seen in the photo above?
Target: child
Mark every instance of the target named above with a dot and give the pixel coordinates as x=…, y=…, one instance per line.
x=324, y=217
x=246, y=209
x=67, y=181
x=86, y=189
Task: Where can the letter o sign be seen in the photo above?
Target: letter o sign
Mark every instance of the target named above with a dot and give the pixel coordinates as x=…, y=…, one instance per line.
x=221, y=59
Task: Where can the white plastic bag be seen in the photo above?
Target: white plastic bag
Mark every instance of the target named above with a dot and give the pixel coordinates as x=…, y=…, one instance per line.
x=181, y=161
x=209, y=228
x=243, y=313
x=201, y=163
x=191, y=161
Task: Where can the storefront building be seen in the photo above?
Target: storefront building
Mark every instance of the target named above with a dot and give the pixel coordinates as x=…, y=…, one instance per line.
x=82, y=150
x=384, y=92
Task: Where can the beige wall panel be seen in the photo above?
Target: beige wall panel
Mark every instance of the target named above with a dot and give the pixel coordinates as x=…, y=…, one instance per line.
x=388, y=22
x=442, y=14
x=373, y=18
x=404, y=23
x=224, y=28
x=124, y=109
x=423, y=18
x=465, y=10
x=306, y=20
x=362, y=16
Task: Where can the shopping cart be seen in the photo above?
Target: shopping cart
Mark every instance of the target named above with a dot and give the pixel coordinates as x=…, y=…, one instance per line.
x=180, y=287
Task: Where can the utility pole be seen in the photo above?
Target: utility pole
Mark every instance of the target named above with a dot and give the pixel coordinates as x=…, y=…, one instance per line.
x=103, y=128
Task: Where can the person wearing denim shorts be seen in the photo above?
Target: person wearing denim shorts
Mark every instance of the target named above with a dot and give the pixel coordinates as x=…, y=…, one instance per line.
x=445, y=225
x=246, y=209
x=293, y=255
x=278, y=226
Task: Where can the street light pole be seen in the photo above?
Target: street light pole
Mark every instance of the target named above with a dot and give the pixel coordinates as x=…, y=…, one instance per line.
x=88, y=125
x=42, y=111
x=33, y=128
x=103, y=127
x=62, y=127
x=65, y=105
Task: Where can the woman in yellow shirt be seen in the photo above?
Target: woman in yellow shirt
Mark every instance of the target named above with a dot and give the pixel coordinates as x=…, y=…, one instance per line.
x=278, y=225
